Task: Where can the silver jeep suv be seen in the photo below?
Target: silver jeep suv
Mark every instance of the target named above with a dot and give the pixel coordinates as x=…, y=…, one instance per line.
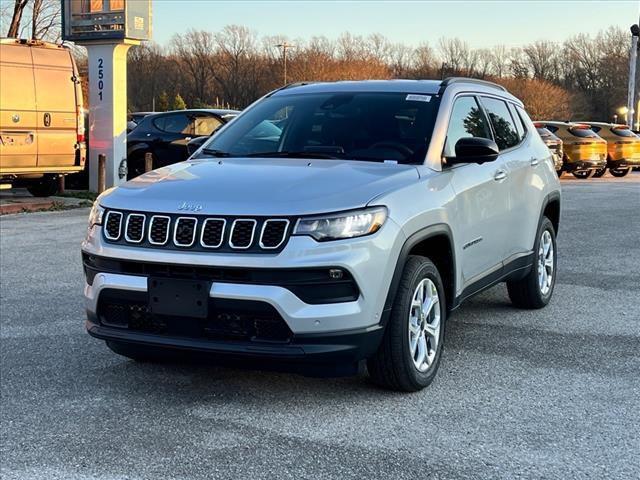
x=328, y=224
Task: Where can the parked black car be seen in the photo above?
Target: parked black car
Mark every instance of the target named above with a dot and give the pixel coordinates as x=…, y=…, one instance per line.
x=165, y=135
x=134, y=118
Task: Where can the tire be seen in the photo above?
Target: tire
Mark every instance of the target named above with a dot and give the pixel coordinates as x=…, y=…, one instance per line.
x=394, y=366
x=583, y=174
x=600, y=172
x=45, y=187
x=559, y=173
x=619, y=172
x=139, y=353
x=529, y=292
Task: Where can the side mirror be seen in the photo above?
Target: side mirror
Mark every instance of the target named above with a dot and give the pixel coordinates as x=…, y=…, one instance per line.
x=475, y=150
x=195, y=144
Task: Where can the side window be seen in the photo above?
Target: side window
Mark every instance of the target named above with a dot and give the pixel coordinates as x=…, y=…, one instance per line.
x=503, y=126
x=467, y=120
x=178, y=123
x=205, y=125
x=520, y=128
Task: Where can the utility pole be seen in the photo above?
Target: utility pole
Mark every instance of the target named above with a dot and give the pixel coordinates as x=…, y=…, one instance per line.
x=284, y=46
x=633, y=55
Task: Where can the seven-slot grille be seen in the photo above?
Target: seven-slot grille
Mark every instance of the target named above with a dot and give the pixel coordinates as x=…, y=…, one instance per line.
x=197, y=232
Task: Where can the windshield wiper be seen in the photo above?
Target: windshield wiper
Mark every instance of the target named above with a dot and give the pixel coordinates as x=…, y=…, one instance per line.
x=215, y=153
x=302, y=154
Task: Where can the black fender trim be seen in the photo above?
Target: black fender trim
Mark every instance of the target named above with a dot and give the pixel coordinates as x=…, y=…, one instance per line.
x=413, y=240
x=137, y=148
x=551, y=197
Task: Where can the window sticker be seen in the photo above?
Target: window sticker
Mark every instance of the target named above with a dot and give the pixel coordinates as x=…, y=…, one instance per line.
x=412, y=97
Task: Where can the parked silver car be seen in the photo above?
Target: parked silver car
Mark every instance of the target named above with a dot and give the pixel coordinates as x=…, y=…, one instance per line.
x=348, y=233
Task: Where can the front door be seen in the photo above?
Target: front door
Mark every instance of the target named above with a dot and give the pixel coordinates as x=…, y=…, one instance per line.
x=482, y=196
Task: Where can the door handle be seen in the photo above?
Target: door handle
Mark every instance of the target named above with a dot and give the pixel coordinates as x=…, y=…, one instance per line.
x=187, y=138
x=500, y=175
x=534, y=161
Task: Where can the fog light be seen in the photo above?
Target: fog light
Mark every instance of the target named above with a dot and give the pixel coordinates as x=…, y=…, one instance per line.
x=336, y=273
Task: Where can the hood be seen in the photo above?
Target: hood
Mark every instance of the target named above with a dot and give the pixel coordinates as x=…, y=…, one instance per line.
x=255, y=186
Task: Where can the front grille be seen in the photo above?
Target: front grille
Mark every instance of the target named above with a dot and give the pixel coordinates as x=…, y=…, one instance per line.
x=134, y=231
x=159, y=230
x=185, y=231
x=113, y=224
x=274, y=232
x=197, y=232
x=212, y=232
x=242, y=233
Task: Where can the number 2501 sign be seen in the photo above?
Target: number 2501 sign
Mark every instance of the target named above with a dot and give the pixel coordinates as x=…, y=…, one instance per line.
x=100, y=77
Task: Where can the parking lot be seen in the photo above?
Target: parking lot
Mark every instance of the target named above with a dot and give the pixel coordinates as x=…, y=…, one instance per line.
x=553, y=393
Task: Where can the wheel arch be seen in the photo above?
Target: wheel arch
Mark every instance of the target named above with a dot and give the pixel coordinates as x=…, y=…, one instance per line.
x=435, y=242
x=551, y=209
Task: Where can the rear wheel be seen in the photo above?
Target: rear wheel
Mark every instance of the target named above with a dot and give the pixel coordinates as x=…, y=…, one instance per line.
x=535, y=290
x=44, y=187
x=619, y=172
x=600, y=172
x=582, y=174
x=409, y=355
x=559, y=172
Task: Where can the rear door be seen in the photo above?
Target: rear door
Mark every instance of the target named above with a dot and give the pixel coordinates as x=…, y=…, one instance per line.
x=525, y=180
x=482, y=205
x=18, y=119
x=56, y=107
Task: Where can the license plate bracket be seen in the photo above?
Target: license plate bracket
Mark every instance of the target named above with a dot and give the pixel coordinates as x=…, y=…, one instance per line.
x=178, y=297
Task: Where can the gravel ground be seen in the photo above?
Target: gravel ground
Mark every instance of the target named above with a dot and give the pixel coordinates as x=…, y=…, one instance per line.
x=545, y=394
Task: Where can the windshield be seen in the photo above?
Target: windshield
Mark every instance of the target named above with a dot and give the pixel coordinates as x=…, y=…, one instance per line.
x=622, y=132
x=354, y=126
x=582, y=132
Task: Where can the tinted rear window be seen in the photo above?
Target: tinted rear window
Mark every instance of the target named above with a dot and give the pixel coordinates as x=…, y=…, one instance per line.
x=582, y=132
x=623, y=132
x=544, y=132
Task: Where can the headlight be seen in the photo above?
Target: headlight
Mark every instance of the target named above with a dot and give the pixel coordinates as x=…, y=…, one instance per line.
x=95, y=216
x=355, y=223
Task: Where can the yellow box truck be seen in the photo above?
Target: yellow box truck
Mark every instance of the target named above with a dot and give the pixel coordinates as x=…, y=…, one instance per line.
x=42, y=132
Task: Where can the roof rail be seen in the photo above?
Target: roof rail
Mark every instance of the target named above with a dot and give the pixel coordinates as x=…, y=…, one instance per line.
x=289, y=85
x=451, y=80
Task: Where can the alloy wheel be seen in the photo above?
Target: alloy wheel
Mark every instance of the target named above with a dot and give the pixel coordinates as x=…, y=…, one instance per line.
x=545, y=263
x=424, y=325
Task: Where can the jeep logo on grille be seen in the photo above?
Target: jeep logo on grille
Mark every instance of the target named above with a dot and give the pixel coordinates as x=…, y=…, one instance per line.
x=190, y=207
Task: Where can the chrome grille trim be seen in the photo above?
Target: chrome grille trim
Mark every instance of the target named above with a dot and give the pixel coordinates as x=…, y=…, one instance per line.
x=284, y=233
x=166, y=236
x=204, y=226
x=106, y=221
x=175, y=231
x=126, y=228
x=253, y=231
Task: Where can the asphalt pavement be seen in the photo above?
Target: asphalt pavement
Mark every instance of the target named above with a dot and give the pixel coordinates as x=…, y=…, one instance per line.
x=553, y=393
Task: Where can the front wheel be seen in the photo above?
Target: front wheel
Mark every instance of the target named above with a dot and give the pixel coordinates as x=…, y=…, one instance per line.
x=620, y=172
x=599, y=172
x=582, y=174
x=409, y=355
x=535, y=290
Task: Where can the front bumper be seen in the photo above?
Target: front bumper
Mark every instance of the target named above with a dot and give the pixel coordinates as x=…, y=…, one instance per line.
x=349, y=330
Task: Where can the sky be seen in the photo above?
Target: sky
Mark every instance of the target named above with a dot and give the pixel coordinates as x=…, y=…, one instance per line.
x=481, y=23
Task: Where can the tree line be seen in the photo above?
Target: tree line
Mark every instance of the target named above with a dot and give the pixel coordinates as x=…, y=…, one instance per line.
x=582, y=77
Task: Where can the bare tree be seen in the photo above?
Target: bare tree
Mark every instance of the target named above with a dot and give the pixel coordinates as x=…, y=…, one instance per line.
x=16, y=18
